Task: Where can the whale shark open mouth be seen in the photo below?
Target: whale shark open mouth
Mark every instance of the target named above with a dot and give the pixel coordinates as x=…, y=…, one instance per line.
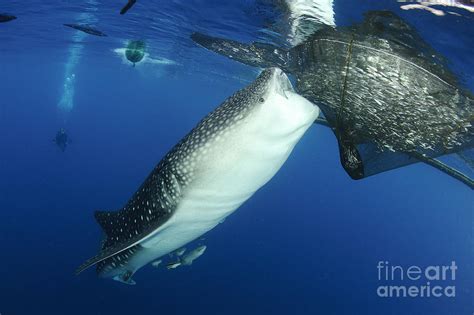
x=283, y=83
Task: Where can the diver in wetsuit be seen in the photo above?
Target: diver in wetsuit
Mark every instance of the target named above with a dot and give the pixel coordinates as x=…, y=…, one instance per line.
x=61, y=139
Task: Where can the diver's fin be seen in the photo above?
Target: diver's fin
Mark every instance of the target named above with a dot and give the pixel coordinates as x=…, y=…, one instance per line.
x=255, y=54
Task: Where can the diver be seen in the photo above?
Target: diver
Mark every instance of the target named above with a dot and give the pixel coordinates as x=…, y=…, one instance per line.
x=135, y=51
x=61, y=139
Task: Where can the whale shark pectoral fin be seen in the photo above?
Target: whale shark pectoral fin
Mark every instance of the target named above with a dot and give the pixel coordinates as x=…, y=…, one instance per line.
x=256, y=54
x=104, y=254
x=112, y=250
x=111, y=246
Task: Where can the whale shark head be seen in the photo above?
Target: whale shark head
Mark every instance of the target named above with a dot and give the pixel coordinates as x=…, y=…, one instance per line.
x=273, y=80
x=273, y=93
x=283, y=103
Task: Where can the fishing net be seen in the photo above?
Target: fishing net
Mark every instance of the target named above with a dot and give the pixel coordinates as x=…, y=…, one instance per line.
x=391, y=111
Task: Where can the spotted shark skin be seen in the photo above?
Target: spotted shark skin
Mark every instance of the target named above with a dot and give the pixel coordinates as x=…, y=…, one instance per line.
x=220, y=164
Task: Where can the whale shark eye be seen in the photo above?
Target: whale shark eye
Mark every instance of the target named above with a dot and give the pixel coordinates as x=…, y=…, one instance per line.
x=261, y=100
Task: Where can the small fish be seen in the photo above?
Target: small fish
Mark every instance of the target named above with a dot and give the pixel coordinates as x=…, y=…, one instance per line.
x=127, y=6
x=180, y=251
x=86, y=29
x=173, y=265
x=6, y=17
x=156, y=263
x=188, y=259
x=193, y=255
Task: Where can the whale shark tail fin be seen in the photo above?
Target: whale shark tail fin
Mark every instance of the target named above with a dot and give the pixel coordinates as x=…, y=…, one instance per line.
x=256, y=54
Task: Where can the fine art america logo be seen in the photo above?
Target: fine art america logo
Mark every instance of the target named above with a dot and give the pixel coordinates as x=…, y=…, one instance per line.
x=416, y=281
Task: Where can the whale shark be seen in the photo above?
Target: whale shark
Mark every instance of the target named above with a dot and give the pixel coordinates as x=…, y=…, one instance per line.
x=389, y=97
x=213, y=170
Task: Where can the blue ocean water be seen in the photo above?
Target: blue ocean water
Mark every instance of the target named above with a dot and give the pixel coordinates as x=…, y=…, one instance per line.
x=309, y=242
